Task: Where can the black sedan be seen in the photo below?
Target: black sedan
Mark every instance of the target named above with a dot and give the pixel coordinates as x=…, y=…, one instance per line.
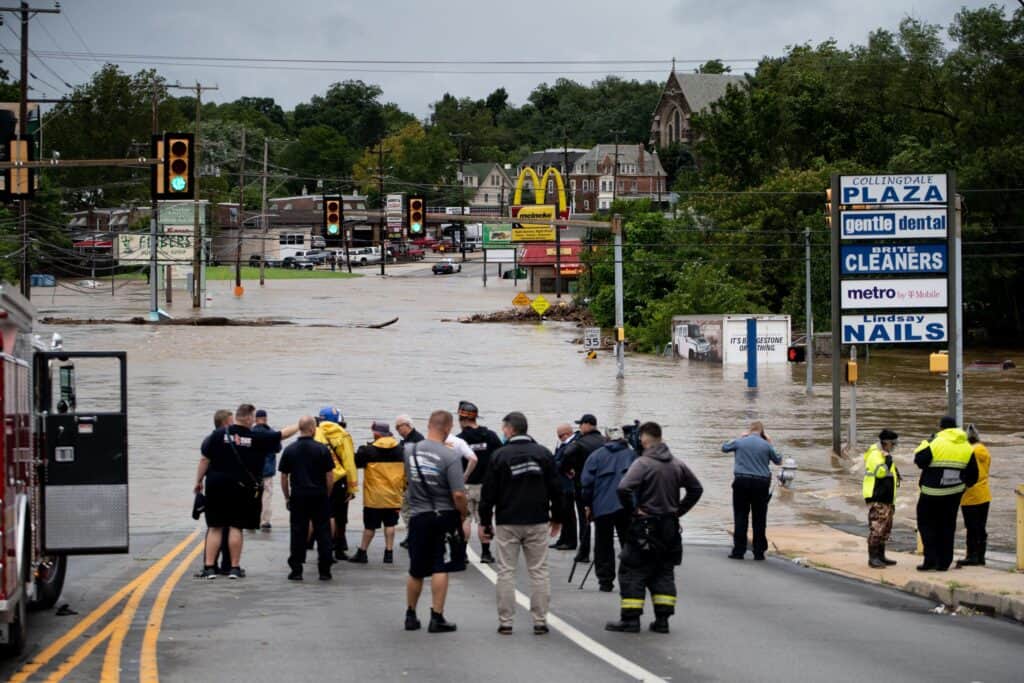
x=446, y=267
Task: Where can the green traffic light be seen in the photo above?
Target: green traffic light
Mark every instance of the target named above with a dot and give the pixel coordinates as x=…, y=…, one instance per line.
x=416, y=227
x=178, y=183
x=332, y=229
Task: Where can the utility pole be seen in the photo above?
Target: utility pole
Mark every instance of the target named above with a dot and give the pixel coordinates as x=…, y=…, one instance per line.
x=620, y=332
x=462, y=191
x=241, y=219
x=383, y=205
x=26, y=13
x=810, y=312
x=615, y=171
x=263, y=214
x=197, y=235
x=154, y=268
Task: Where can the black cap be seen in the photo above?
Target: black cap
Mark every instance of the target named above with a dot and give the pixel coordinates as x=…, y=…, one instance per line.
x=468, y=410
x=587, y=419
x=261, y=413
x=947, y=422
x=887, y=435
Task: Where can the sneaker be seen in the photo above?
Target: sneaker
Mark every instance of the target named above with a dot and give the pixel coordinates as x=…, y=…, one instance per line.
x=562, y=546
x=360, y=557
x=438, y=624
x=582, y=558
x=412, y=622
x=759, y=557
x=606, y=587
x=325, y=576
x=540, y=629
x=340, y=554
x=486, y=557
x=389, y=557
x=736, y=556
x=265, y=527
x=236, y=573
x=404, y=543
x=505, y=630
x=295, y=575
x=207, y=573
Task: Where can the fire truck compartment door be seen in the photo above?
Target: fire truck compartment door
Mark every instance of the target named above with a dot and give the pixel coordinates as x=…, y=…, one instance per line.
x=85, y=453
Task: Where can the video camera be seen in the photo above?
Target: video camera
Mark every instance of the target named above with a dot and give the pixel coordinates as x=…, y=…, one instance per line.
x=631, y=433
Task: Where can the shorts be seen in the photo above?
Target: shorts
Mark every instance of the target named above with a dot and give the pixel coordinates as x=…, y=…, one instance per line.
x=427, y=545
x=375, y=518
x=473, y=501
x=229, y=504
x=339, y=503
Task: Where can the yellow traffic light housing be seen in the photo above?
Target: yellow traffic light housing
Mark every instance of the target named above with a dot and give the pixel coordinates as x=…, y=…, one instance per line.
x=851, y=372
x=178, y=178
x=417, y=216
x=332, y=216
x=828, y=207
x=20, y=182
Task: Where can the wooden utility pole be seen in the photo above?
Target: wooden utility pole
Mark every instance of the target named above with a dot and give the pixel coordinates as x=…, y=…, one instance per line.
x=241, y=219
x=263, y=214
x=383, y=204
x=197, y=235
x=462, y=191
x=26, y=13
x=615, y=171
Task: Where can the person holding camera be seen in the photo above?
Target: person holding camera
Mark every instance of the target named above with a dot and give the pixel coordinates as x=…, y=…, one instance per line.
x=649, y=493
x=751, y=486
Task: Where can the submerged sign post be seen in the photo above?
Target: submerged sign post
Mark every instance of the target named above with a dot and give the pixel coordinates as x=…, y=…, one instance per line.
x=895, y=270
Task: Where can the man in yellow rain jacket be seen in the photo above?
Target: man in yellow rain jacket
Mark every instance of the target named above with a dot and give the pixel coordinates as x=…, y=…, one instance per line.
x=948, y=468
x=383, y=489
x=881, y=479
x=975, y=503
x=331, y=432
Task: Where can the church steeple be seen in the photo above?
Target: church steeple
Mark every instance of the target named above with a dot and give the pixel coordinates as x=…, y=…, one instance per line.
x=673, y=65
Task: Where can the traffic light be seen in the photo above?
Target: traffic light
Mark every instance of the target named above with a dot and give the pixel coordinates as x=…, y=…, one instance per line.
x=417, y=216
x=157, y=177
x=334, y=220
x=796, y=354
x=179, y=168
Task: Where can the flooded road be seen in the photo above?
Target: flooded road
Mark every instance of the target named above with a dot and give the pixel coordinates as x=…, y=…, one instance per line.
x=180, y=375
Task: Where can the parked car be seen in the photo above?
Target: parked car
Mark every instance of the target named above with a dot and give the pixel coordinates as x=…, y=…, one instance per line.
x=445, y=245
x=254, y=261
x=519, y=273
x=407, y=252
x=424, y=242
x=297, y=262
x=446, y=267
x=364, y=256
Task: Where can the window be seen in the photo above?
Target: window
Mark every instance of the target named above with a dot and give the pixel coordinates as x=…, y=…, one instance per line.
x=487, y=197
x=586, y=205
x=572, y=185
x=678, y=125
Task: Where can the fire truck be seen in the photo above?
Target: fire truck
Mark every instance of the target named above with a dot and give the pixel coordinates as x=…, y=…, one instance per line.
x=64, y=458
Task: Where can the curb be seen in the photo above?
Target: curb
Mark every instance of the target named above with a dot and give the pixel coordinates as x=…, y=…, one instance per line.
x=992, y=604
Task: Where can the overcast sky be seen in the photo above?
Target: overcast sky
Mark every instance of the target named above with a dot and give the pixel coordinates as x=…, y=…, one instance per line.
x=658, y=30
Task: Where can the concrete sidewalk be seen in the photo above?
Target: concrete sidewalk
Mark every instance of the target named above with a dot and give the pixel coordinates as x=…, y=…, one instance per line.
x=990, y=590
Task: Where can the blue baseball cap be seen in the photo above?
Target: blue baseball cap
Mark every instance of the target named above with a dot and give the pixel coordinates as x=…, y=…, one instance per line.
x=330, y=414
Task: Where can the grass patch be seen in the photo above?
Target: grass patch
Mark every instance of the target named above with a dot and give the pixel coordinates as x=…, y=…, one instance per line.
x=248, y=273
x=954, y=585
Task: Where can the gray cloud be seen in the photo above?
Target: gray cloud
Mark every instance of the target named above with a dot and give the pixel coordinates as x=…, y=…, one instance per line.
x=454, y=29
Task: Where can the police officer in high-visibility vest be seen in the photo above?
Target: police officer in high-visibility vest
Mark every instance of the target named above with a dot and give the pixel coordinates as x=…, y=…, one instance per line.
x=881, y=479
x=948, y=468
x=649, y=491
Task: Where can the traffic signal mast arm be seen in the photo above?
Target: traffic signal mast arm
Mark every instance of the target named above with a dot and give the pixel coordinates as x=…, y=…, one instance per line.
x=81, y=163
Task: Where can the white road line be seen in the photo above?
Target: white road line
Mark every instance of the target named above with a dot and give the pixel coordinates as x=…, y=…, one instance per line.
x=631, y=669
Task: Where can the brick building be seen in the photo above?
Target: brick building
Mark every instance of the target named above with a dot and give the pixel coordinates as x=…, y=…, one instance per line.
x=595, y=182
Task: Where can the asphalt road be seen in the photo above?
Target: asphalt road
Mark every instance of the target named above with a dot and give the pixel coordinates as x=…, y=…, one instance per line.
x=771, y=621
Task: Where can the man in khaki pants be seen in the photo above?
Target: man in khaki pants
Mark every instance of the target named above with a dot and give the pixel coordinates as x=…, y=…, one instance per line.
x=522, y=494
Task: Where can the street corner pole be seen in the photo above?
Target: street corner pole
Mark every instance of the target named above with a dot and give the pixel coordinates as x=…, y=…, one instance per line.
x=851, y=445
x=837, y=332
x=955, y=392
x=810, y=312
x=751, y=373
x=239, y=290
x=620, y=332
x=558, y=260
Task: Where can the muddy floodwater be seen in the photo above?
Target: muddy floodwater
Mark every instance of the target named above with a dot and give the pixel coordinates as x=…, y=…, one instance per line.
x=179, y=375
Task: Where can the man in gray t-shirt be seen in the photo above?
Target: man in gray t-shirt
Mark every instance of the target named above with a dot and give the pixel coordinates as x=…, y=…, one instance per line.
x=442, y=469
x=436, y=496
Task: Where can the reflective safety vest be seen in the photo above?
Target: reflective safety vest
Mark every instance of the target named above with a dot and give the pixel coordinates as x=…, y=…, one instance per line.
x=875, y=469
x=951, y=453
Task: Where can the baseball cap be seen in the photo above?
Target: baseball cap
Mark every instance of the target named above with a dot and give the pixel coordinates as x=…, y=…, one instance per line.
x=261, y=413
x=467, y=409
x=330, y=414
x=381, y=427
x=587, y=419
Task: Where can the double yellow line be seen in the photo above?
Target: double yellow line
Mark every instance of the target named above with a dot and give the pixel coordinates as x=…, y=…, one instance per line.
x=117, y=630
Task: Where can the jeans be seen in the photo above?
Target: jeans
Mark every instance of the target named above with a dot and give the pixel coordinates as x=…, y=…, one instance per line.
x=268, y=493
x=750, y=499
x=533, y=540
x=305, y=510
x=605, y=529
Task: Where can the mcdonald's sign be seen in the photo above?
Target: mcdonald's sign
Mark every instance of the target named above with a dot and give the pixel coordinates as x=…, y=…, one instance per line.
x=538, y=211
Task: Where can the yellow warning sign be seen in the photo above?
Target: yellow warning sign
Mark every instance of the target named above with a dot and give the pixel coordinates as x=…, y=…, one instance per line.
x=540, y=304
x=521, y=300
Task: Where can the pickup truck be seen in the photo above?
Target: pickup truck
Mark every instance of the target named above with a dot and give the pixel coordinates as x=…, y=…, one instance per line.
x=404, y=252
x=297, y=262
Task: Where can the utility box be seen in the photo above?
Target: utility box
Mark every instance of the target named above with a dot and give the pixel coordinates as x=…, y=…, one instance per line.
x=938, y=362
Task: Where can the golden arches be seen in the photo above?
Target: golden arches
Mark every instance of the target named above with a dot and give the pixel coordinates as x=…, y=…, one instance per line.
x=540, y=188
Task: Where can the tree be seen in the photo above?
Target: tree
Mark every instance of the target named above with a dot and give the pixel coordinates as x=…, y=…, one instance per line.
x=414, y=159
x=714, y=66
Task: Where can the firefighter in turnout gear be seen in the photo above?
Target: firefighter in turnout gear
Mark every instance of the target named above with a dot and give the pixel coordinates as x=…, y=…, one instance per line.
x=654, y=545
x=881, y=479
x=948, y=468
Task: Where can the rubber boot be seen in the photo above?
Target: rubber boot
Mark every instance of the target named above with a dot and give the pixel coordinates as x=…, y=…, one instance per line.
x=874, y=559
x=886, y=560
x=660, y=623
x=980, y=557
x=627, y=624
